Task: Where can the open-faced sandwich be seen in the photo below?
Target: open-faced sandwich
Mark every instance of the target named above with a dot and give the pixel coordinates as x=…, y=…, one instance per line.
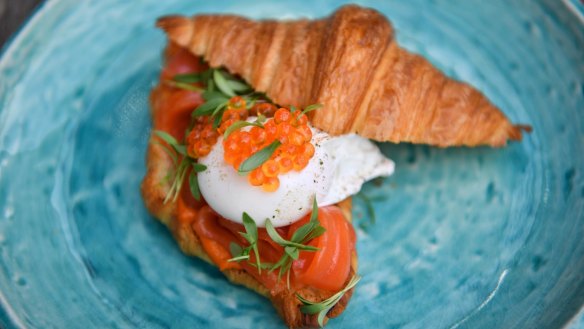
x=261, y=135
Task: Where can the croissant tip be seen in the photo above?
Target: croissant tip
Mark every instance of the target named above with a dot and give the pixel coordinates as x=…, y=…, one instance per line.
x=178, y=28
x=516, y=132
x=170, y=21
x=526, y=128
x=172, y=24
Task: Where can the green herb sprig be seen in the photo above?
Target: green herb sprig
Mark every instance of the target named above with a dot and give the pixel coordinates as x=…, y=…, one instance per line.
x=173, y=148
x=187, y=81
x=240, y=124
x=258, y=158
x=292, y=247
x=185, y=86
x=211, y=106
x=322, y=308
x=311, y=108
x=220, y=88
x=251, y=236
x=193, y=182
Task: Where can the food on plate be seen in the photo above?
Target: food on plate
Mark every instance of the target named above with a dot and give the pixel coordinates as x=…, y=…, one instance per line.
x=260, y=138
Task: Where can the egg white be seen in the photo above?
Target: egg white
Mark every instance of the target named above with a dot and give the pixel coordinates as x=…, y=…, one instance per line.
x=356, y=160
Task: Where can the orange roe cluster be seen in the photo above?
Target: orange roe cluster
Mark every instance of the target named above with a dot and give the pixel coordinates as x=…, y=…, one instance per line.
x=294, y=134
x=203, y=135
x=236, y=111
x=201, y=138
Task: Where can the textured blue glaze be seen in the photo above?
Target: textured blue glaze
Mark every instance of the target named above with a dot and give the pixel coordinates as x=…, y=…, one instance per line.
x=463, y=238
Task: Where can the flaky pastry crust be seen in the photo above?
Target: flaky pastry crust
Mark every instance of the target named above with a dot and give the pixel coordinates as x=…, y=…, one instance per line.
x=351, y=63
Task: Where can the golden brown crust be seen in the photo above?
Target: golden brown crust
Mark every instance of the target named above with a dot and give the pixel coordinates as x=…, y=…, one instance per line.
x=350, y=62
x=154, y=189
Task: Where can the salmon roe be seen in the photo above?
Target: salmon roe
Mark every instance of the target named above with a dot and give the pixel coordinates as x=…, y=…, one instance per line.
x=290, y=129
x=203, y=135
x=201, y=138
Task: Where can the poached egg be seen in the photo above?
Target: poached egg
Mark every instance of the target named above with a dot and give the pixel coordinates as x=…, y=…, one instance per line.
x=338, y=169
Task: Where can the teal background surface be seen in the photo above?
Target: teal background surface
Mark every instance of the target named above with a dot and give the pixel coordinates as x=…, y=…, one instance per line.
x=463, y=238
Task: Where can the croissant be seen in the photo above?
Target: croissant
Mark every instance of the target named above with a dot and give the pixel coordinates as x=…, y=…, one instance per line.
x=351, y=63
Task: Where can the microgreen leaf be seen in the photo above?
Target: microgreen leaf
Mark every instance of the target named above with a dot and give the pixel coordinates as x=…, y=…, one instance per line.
x=321, y=316
x=210, y=83
x=323, y=307
x=250, y=227
x=166, y=137
x=302, y=232
x=274, y=235
x=252, y=99
x=222, y=84
x=238, y=258
x=310, y=230
x=251, y=235
x=184, y=86
x=292, y=109
x=188, y=78
x=252, y=231
x=207, y=75
x=312, y=107
x=181, y=149
x=209, y=106
x=238, y=86
x=292, y=252
x=199, y=167
x=234, y=248
x=193, y=182
x=312, y=309
x=181, y=168
x=316, y=232
x=219, y=110
x=314, y=214
x=209, y=95
x=238, y=125
x=287, y=271
x=245, y=236
x=261, y=119
x=168, y=150
x=237, y=252
x=284, y=260
x=258, y=158
x=178, y=179
x=217, y=120
x=249, y=102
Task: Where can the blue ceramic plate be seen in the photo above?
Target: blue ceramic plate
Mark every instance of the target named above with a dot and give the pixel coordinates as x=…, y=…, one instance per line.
x=463, y=238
